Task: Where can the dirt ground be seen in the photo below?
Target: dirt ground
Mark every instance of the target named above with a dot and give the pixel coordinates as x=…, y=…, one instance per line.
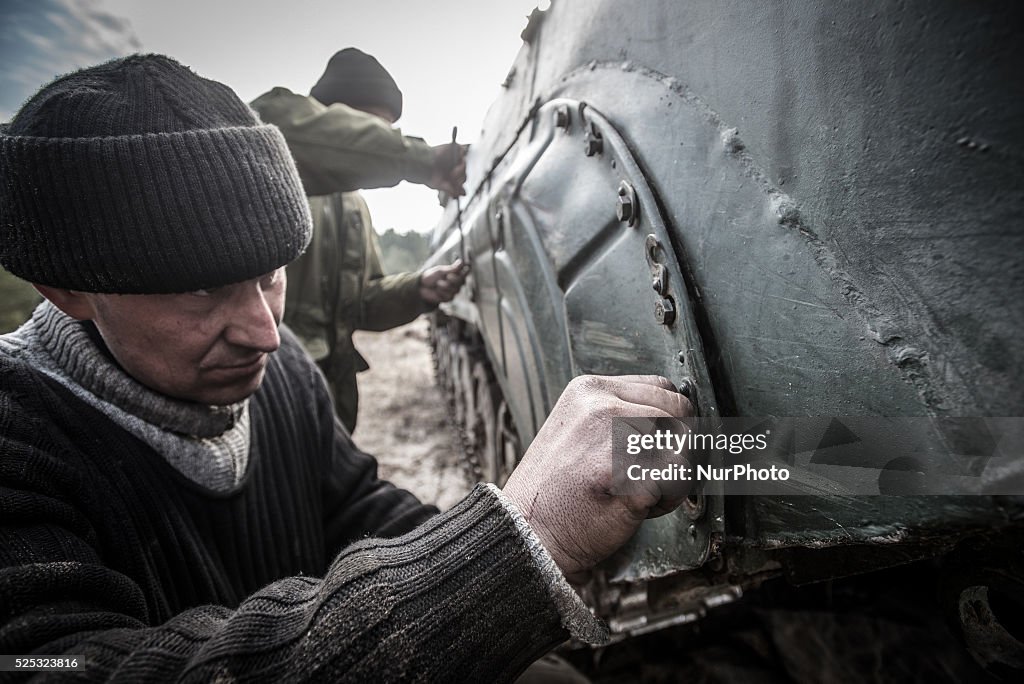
x=403, y=418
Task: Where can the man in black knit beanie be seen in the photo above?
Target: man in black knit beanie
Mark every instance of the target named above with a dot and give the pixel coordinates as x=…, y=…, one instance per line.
x=177, y=499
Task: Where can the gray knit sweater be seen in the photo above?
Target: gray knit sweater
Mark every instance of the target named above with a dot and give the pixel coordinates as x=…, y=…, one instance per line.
x=113, y=551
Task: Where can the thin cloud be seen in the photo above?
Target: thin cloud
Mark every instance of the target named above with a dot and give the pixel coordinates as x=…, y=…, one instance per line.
x=42, y=39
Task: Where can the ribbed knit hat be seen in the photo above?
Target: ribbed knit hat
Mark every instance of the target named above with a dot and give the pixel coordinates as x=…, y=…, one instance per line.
x=138, y=177
x=357, y=79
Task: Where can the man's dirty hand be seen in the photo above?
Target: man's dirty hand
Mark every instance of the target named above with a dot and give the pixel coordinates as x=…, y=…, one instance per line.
x=441, y=283
x=563, y=484
x=449, y=175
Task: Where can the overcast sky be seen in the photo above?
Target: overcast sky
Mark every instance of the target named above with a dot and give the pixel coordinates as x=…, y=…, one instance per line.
x=448, y=56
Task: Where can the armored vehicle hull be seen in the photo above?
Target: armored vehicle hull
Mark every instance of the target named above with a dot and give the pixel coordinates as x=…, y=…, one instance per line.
x=791, y=209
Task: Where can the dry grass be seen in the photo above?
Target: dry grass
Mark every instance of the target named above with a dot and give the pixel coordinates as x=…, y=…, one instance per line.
x=17, y=299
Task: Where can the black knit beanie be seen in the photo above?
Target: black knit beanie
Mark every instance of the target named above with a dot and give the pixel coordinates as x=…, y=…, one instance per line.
x=139, y=177
x=358, y=80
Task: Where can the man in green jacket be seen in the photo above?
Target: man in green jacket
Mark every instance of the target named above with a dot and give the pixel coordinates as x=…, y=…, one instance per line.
x=338, y=285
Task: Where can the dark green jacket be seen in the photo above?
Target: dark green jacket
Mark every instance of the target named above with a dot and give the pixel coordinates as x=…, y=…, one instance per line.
x=338, y=148
x=338, y=287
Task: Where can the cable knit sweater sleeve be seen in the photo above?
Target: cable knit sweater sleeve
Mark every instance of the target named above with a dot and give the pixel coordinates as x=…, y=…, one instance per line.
x=458, y=599
x=89, y=566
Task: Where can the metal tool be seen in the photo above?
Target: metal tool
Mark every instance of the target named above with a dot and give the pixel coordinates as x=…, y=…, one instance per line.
x=458, y=210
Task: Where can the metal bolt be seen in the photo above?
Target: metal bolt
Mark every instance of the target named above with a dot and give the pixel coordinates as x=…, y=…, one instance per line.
x=562, y=116
x=592, y=141
x=658, y=282
x=688, y=389
x=692, y=529
x=665, y=311
x=658, y=278
x=624, y=210
x=651, y=247
x=681, y=357
x=627, y=208
x=694, y=506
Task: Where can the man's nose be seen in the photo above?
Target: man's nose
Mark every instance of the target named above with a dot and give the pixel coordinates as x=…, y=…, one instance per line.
x=254, y=321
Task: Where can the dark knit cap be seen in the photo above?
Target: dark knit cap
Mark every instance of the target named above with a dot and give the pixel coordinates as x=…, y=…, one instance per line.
x=358, y=80
x=139, y=177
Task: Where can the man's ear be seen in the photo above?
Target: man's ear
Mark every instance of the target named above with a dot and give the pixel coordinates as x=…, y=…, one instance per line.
x=75, y=304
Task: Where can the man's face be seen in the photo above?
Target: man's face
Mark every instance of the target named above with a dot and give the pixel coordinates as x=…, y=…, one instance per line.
x=208, y=346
